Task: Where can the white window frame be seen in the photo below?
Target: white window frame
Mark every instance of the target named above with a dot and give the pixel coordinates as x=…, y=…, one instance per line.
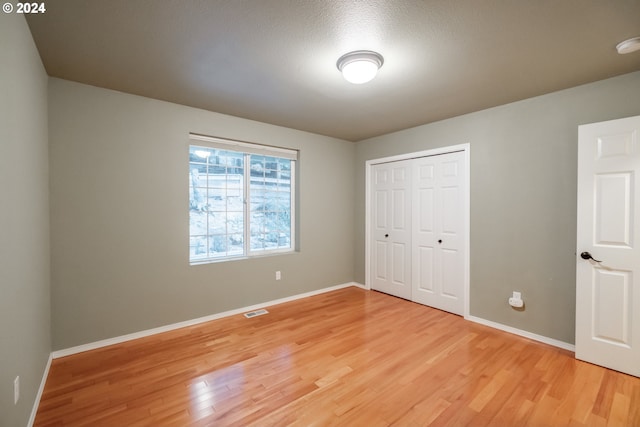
x=248, y=148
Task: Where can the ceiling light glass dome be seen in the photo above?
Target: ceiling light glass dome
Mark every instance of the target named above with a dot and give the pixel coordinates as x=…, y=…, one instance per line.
x=360, y=66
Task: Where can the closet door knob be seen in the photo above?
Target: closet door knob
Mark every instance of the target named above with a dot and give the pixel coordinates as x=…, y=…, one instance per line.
x=440, y=241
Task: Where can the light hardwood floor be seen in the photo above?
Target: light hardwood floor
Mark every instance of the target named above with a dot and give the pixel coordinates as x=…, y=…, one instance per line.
x=347, y=358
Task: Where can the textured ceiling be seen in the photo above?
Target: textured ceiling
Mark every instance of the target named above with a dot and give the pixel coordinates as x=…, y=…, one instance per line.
x=275, y=60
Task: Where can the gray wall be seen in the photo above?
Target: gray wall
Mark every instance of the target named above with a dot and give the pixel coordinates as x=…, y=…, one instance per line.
x=25, y=341
x=119, y=216
x=523, y=197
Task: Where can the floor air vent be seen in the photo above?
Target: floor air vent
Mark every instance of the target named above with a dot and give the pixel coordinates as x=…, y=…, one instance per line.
x=255, y=313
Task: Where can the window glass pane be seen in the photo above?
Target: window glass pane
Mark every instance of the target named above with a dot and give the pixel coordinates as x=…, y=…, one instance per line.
x=200, y=154
x=283, y=220
x=235, y=204
x=270, y=200
x=270, y=170
x=197, y=189
x=283, y=199
x=198, y=175
x=215, y=202
x=217, y=223
x=257, y=223
x=218, y=210
x=284, y=165
x=271, y=240
x=197, y=223
x=216, y=178
x=257, y=241
x=217, y=245
x=197, y=247
x=230, y=159
x=256, y=203
x=257, y=166
x=236, y=244
x=234, y=185
x=271, y=204
x=235, y=222
x=284, y=240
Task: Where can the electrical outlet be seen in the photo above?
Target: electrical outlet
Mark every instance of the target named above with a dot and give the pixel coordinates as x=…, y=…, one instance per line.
x=278, y=275
x=516, y=300
x=16, y=390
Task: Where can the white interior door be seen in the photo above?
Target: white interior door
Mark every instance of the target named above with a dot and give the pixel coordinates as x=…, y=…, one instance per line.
x=391, y=228
x=439, y=231
x=608, y=290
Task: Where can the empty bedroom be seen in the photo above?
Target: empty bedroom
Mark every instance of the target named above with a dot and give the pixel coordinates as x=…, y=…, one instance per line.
x=319, y=212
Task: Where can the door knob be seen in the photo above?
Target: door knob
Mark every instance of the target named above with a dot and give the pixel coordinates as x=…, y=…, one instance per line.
x=587, y=255
x=386, y=235
x=440, y=241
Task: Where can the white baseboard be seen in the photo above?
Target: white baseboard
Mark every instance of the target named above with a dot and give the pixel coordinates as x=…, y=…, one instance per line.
x=36, y=402
x=526, y=334
x=123, y=338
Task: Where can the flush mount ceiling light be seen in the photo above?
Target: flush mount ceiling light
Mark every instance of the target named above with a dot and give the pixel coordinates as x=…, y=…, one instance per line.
x=628, y=46
x=360, y=66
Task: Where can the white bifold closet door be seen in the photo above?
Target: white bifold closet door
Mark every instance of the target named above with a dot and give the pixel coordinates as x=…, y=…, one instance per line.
x=391, y=228
x=418, y=230
x=438, y=232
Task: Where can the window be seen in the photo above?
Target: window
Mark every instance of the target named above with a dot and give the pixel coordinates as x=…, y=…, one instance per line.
x=241, y=199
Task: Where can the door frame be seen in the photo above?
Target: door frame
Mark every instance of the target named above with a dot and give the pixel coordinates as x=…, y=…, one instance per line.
x=466, y=148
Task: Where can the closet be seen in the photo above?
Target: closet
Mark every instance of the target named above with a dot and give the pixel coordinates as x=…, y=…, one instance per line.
x=418, y=228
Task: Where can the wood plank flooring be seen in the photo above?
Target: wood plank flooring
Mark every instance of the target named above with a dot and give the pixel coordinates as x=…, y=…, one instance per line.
x=345, y=358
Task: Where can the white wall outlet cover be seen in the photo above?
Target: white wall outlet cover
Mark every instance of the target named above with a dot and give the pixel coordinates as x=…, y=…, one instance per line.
x=516, y=302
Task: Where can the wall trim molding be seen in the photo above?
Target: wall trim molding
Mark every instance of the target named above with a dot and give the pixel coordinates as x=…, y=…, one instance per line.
x=36, y=402
x=148, y=332
x=522, y=333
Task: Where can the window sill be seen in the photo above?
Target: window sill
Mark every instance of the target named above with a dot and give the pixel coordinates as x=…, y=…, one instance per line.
x=242, y=257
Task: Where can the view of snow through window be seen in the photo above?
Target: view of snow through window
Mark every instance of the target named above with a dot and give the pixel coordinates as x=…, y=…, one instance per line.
x=239, y=203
